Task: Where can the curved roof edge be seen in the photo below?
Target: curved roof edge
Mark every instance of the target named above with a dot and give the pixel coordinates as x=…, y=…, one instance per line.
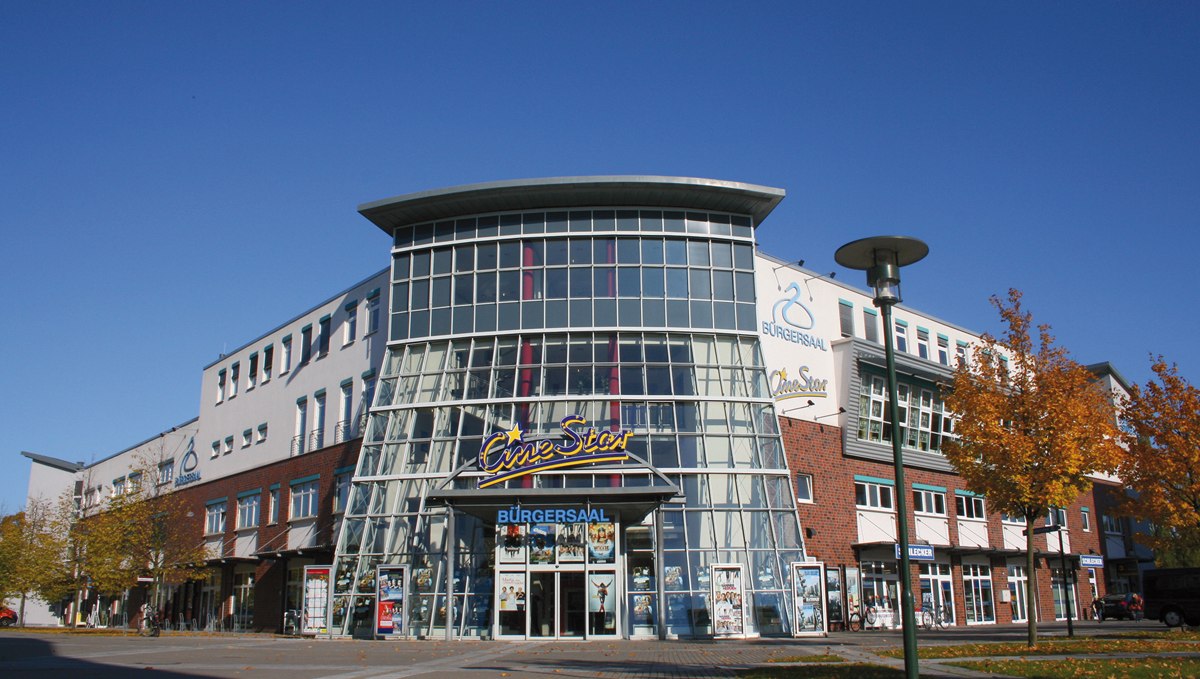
x=564, y=192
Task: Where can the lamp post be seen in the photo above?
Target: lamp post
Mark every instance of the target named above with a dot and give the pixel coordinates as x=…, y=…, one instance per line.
x=1068, y=575
x=881, y=257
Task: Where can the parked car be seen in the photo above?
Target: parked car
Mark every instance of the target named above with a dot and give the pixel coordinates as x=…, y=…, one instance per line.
x=1173, y=596
x=8, y=617
x=1119, y=607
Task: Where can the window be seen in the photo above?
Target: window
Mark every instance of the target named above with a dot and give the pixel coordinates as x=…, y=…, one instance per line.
x=305, y=344
x=923, y=343
x=902, y=336
x=870, y=325
x=228, y=448
x=341, y=492
x=872, y=495
x=267, y=362
x=216, y=448
x=1085, y=518
x=166, y=471
x=943, y=350
x=233, y=380
x=350, y=329
x=1110, y=523
x=846, y=318
x=135, y=482
x=1057, y=516
x=214, y=518
x=273, y=507
x=298, y=439
x=372, y=313
x=252, y=372
x=925, y=424
x=970, y=507
x=960, y=352
x=318, y=425
x=929, y=502
x=247, y=516
x=220, y=386
x=262, y=433
x=323, y=336
x=118, y=487
x=304, y=499
x=285, y=356
x=247, y=437
x=804, y=488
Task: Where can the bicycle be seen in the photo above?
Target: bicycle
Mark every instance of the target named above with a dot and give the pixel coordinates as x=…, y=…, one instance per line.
x=941, y=618
x=854, y=621
x=291, y=623
x=150, y=626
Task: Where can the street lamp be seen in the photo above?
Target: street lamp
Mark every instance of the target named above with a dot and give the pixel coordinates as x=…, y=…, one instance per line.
x=881, y=257
x=1068, y=575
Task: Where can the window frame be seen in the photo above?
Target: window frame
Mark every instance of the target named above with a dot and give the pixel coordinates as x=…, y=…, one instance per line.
x=873, y=494
x=805, y=481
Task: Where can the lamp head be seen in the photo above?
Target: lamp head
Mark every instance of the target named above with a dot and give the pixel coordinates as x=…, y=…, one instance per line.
x=881, y=257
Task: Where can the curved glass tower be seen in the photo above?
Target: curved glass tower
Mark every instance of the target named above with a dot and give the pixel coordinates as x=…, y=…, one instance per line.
x=572, y=435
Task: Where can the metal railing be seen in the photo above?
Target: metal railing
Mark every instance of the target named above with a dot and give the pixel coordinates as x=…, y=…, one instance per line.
x=316, y=439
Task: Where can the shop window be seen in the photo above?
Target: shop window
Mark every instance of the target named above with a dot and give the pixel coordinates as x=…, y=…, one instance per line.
x=970, y=507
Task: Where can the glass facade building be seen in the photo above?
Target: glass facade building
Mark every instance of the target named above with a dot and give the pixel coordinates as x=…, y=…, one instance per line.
x=572, y=424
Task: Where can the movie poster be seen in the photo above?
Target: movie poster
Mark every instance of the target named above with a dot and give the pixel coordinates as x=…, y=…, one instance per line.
x=808, y=592
x=571, y=542
x=541, y=543
x=389, y=611
x=511, y=541
x=833, y=596
x=316, y=600
x=601, y=542
x=728, y=613
x=511, y=592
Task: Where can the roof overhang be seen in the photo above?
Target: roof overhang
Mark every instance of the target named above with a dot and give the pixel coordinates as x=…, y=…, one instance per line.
x=681, y=193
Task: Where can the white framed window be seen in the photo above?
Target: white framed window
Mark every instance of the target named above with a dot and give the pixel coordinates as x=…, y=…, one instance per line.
x=1057, y=516
x=871, y=325
x=960, y=353
x=804, y=488
x=228, y=447
x=166, y=472
x=268, y=362
x=247, y=438
x=220, y=386
x=234, y=372
x=214, y=518
x=846, y=318
x=1110, y=524
x=252, y=372
x=350, y=328
x=273, y=506
x=970, y=507
x=925, y=424
x=1012, y=519
x=929, y=502
x=216, y=449
x=118, y=487
x=318, y=425
x=902, y=337
x=923, y=343
x=285, y=355
x=323, y=330
x=341, y=492
x=262, y=433
x=372, y=315
x=304, y=499
x=873, y=495
x=247, y=516
x=943, y=350
x=1085, y=518
x=306, y=346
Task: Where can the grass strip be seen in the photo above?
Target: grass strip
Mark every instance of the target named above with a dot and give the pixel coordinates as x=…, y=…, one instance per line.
x=835, y=671
x=1074, y=668
x=1055, y=647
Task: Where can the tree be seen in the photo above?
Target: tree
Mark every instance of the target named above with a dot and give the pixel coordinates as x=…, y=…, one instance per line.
x=33, y=553
x=1162, y=466
x=1031, y=427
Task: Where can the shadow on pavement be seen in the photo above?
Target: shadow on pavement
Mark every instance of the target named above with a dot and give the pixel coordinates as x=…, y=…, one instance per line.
x=33, y=656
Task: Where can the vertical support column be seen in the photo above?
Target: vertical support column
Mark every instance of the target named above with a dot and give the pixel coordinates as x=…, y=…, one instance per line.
x=451, y=559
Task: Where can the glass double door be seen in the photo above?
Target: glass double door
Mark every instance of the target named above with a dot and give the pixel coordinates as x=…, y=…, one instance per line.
x=560, y=604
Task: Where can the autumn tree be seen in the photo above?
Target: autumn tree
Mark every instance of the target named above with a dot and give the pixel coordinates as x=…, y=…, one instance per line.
x=1032, y=424
x=1162, y=466
x=34, y=553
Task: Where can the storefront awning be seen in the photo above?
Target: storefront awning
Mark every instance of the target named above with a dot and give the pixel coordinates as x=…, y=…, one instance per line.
x=627, y=505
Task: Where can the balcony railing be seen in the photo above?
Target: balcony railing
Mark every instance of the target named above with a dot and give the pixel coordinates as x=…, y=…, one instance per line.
x=297, y=444
x=316, y=439
x=343, y=431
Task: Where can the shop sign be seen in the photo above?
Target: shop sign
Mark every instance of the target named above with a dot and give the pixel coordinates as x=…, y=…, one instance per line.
x=791, y=320
x=917, y=552
x=507, y=455
x=1091, y=561
x=517, y=514
x=784, y=386
x=187, y=466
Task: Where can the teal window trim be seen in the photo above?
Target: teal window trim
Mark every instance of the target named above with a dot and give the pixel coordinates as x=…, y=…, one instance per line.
x=869, y=310
x=253, y=355
x=235, y=365
x=221, y=373
x=966, y=493
x=350, y=305
x=273, y=486
x=269, y=347
x=302, y=399
x=262, y=427
x=924, y=330
x=373, y=294
x=1084, y=509
x=119, y=478
x=343, y=470
x=307, y=328
x=286, y=339
x=229, y=440
x=943, y=338
x=217, y=501
x=845, y=302
x=902, y=322
x=326, y=317
x=247, y=432
x=926, y=486
x=368, y=374
x=960, y=343
x=248, y=493
x=349, y=381
x=319, y=393
x=874, y=479
x=304, y=479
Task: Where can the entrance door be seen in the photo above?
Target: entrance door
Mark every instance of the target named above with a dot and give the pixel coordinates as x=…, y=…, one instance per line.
x=557, y=605
x=543, y=600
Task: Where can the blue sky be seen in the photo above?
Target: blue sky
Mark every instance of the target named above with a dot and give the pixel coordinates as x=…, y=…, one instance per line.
x=176, y=178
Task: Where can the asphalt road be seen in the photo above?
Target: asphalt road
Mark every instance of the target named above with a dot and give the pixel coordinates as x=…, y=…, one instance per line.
x=42, y=656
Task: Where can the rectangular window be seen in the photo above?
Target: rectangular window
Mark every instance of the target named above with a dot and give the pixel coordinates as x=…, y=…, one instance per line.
x=869, y=495
x=233, y=380
x=960, y=353
x=943, y=350
x=1110, y=524
x=216, y=449
x=902, y=336
x=1057, y=516
x=248, y=511
x=924, y=422
x=298, y=438
x=285, y=355
x=318, y=425
x=228, y=448
x=923, y=343
x=273, y=508
x=220, y=386
x=871, y=325
x=323, y=330
x=804, y=488
x=1085, y=518
x=929, y=502
x=262, y=433
x=247, y=437
x=214, y=518
x=306, y=344
x=372, y=315
x=267, y=362
x=969, y=507
x=252, y=372
x=846, y=318
x=118, y=487
x=166, y=472
x=341, y=492
x=350, y=329
x=304, y=499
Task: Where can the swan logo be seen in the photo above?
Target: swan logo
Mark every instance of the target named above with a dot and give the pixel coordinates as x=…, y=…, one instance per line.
x=790, y=319
x=187, y=466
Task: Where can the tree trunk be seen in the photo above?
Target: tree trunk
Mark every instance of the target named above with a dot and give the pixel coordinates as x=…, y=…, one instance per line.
x=1031, y=607
x=21, y=621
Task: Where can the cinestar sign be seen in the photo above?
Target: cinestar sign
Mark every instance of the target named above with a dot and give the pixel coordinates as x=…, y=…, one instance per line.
x=507, y=455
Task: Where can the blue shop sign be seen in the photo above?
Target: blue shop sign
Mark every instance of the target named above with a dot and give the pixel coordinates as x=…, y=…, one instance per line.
x=1091, y=561
x=917, y=553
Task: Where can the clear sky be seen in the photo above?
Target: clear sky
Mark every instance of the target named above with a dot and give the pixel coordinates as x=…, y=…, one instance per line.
x=177, y=178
